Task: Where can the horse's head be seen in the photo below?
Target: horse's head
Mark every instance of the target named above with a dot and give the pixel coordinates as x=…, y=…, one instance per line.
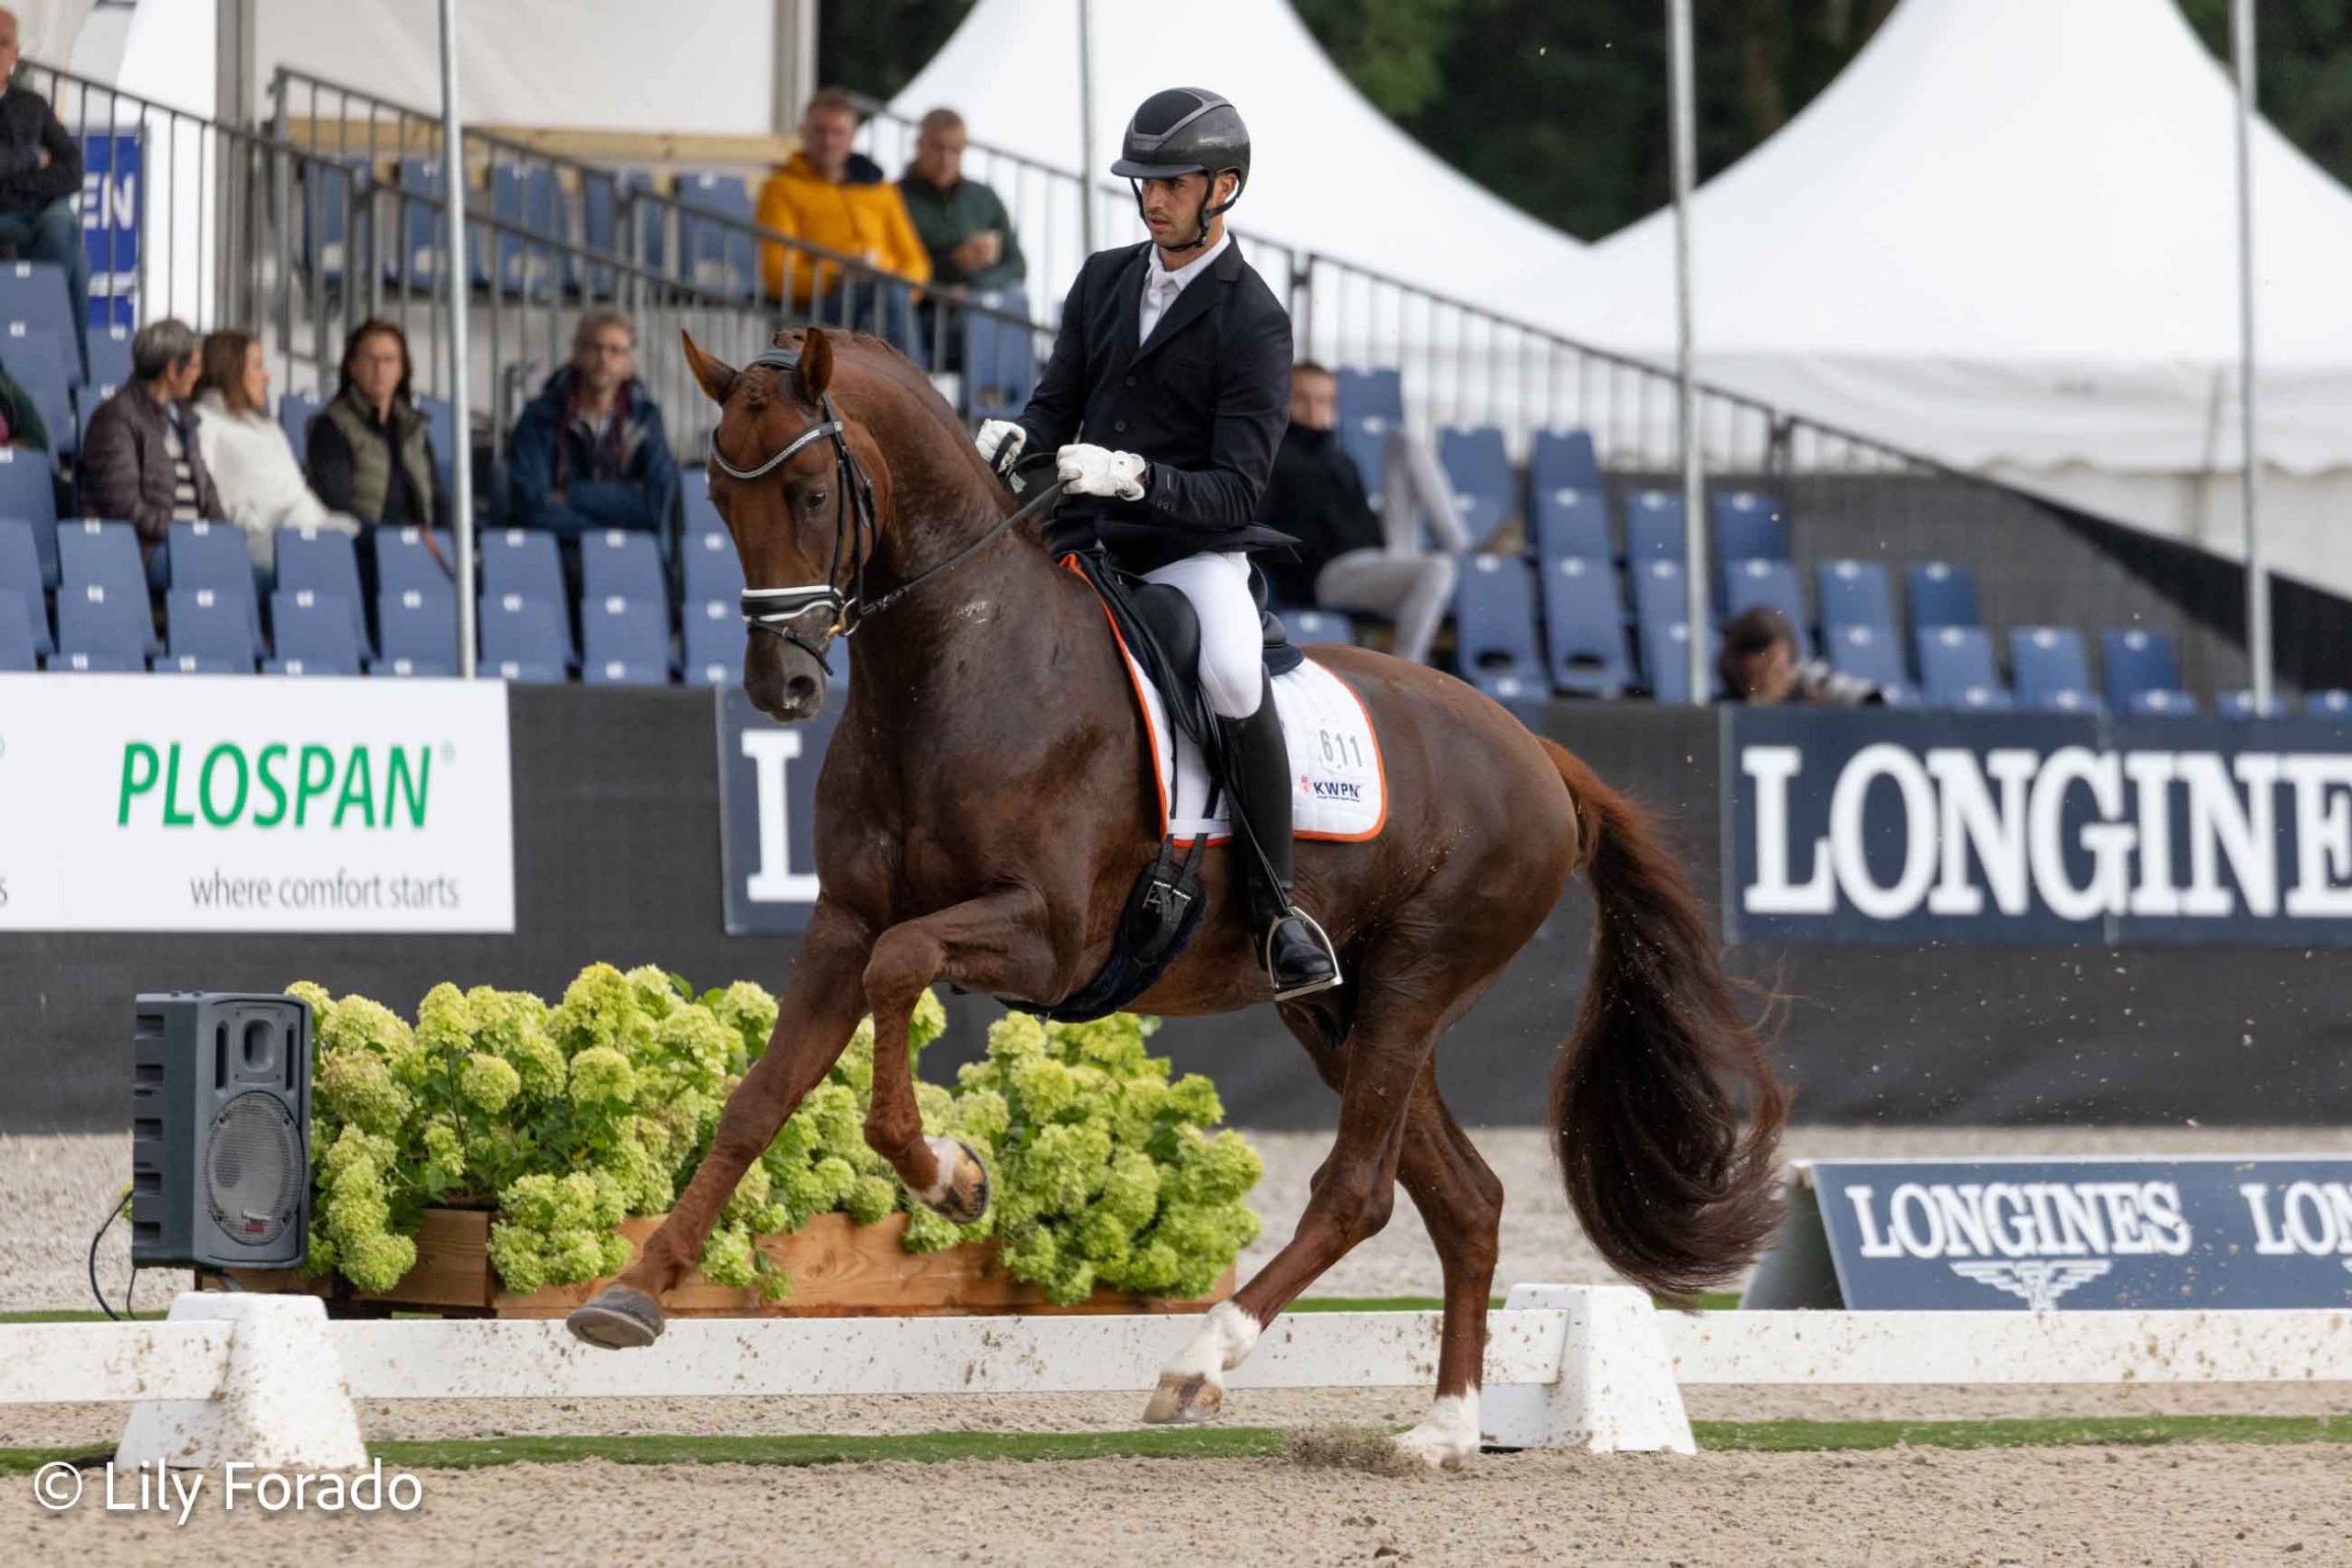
x=800, y=506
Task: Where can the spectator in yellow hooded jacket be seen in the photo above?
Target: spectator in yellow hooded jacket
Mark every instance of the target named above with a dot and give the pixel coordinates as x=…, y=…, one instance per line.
x=829, y=196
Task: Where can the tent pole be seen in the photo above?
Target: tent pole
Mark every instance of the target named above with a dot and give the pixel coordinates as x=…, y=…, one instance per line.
x=453, y=167
x=1683, y=113
x=1086, y=175
x=2258, y=576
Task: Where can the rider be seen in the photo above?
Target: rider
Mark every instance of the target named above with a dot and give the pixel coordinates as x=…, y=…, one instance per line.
x=1164, y=401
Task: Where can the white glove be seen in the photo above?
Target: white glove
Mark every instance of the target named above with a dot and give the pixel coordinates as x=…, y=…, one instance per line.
x=1097, y=470
x=1000, y=442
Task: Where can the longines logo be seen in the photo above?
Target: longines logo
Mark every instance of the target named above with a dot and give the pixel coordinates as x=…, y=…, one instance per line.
x=2039, y=1282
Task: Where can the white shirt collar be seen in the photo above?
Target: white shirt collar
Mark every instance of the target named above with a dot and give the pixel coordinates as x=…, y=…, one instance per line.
x=1184, y=275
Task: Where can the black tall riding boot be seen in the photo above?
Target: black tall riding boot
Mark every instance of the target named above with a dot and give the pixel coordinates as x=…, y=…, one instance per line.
x=1297, y=956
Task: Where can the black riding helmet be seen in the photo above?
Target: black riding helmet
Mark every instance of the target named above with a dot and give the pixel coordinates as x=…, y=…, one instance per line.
x=1185, y=130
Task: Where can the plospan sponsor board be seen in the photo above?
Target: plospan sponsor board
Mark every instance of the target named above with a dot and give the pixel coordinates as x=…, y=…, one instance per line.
x=251, y=804
x=1904, y=828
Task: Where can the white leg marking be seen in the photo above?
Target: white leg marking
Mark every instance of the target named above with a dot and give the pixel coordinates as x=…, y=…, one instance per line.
x=1227, y=1336
x=1448, y=1434
x=950, y=1154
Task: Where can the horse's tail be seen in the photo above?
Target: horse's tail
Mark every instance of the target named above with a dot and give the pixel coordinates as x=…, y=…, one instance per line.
x=1673, y=1189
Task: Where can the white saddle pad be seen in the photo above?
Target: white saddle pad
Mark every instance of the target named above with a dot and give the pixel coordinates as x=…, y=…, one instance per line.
x=1339, y=787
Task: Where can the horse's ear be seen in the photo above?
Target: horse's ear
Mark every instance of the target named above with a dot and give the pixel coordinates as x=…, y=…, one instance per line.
x=816, y=365
x=715, y=378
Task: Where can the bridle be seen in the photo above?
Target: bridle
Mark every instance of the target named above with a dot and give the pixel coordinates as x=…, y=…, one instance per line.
x=845, y=607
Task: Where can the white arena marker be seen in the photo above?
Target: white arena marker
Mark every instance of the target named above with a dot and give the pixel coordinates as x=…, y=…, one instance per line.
x=1614, y=1391
x=282, y=1402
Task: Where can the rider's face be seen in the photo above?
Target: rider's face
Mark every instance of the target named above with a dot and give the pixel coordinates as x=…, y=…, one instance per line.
x=1172, y=208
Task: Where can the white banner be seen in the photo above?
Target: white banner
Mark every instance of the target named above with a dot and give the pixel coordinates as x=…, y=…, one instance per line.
x=189, y=803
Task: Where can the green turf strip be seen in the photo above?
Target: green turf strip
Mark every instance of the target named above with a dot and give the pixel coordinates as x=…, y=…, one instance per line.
x=1259, y=1442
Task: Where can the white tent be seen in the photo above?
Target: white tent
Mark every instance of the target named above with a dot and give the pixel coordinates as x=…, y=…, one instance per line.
x=1330, y=173
x=2005, y=237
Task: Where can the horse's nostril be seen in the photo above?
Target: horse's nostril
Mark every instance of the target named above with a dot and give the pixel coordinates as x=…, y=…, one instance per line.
x=799, y=689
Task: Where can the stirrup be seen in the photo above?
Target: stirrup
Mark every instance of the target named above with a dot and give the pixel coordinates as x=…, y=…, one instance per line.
x=1266, y=954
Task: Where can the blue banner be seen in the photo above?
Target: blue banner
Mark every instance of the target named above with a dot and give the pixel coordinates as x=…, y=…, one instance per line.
x=2112, y=1235
x=1877, y=827
x=767, y=800
x=113, y=192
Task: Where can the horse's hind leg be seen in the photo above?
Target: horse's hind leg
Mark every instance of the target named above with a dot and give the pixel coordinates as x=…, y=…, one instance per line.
x=1385, y=1053
x=1461, y=1202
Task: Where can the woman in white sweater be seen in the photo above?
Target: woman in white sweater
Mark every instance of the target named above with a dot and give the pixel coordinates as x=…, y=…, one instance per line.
x=261, y=486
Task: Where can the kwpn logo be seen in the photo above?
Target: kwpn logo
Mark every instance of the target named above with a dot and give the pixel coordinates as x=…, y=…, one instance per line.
x=1338, y=789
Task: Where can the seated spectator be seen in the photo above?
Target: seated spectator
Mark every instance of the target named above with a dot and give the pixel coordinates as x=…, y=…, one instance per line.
x=142, y=461
x=370, y=454
x=963, y=225
x=1347, y=558
x=823, y=195
x=590, y=451
x=1760, y=665
x=41, y=173
x=20, y=421
x=252, y=463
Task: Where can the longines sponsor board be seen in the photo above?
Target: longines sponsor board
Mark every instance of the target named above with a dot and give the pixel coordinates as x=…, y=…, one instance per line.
x=235, y=802
x=2135, y=1235
x=1915, y=827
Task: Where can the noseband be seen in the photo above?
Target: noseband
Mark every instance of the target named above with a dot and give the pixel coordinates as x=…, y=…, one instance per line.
x=844, y=606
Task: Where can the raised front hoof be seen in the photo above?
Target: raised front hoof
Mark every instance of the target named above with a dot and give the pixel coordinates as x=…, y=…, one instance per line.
x=618, y=1317
x=966, y=1199
x=1185, y=1399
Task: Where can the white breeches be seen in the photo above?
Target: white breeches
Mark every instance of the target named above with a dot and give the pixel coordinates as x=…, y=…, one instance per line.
x=1233, y=649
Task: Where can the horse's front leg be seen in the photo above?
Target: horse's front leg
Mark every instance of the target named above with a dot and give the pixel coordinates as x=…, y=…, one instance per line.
x=997, y=944
x=814, y=1020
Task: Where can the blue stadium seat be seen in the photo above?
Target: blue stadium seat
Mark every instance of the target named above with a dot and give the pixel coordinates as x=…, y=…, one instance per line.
x=523, y=561
x=1856, y=593
x=1371, y=394
x=35, y=292
x=621, y=562
x=83, y=661
x=405, y=559
x=1666, y=660
x=599, y=230
x=1654, y=526
x=1941, y=595
x=2239, y=703
x=22, y=580
x=719, y=256
x=322, y=561
x=41, y=364
x=2160, y=701
x=420, y=627
x=1661, y=596
x=1563, y=459
x=1747, y=583
x=213, y=555
x=1748, y=525
x=105, y=554
x=210, y=624
x=1955, y=661
x=418, y=220
x=295, y=412
x=316, y=631
x=109, y=358
x=104, y=623
x=2138, y=660
x=19, y=654
x=715, y=636
x=1000, y=357
x=1494, y=607
x=1309, y=626
x=330, y=192
x=1584, y=630
x=441, y=430
x=625, y=642
x=2051, y=669
x=524, y=639
x=524, y=197
x=86, y=400
x=1366, y=440
x=201, y=664
x=1571, y=523
x=27, y=496
x=2335, y=704
x=1869, y=653
x=712, y=569
x=1480, y=471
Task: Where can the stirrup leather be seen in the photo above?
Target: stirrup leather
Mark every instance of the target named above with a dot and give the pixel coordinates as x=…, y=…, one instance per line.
x=1266, y=954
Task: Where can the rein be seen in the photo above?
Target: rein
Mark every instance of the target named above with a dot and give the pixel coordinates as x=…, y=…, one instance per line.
x=778, y=610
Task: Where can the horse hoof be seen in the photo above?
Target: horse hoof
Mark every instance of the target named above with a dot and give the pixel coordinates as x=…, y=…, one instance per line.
x=1189, y=1398
x=966, y=1197
x=619, y=1317
x=1437, y=1451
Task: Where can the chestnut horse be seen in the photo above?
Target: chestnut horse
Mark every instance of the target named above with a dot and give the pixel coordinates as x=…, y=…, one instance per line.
x=985, y=807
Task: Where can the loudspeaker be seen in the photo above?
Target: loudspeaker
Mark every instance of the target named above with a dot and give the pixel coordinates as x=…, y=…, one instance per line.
x=221, y=1131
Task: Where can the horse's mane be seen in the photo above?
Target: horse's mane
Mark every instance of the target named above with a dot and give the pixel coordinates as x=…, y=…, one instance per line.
x=862, y=355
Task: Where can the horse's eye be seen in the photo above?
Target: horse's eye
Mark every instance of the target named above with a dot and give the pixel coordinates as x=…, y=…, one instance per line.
x=816, y=497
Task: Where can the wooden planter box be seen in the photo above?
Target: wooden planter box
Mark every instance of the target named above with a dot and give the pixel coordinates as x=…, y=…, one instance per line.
x=838, y=1269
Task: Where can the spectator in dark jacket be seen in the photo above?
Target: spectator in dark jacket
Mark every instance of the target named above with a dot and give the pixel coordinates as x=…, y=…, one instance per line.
x=20, y=421
x=1760, y=665
x=369, y=452
x=589, y=451
x=41, y=173
x=141, y=461
x=961, y=223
